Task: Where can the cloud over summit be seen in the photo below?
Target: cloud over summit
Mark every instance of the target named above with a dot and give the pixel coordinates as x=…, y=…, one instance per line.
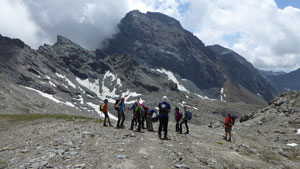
x=258, y=30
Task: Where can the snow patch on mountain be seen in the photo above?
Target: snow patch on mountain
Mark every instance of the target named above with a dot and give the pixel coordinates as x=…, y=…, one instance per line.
x=66, y=79
x=94, y=87
x=52, y=84
x=128, y=94
x=172, y=77
x=222, y=95
x=104, y=92
x=49, y=96
x=203, y=97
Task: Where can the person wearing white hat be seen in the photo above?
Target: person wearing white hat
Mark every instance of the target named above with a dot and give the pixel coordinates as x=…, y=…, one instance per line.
x=164, y=110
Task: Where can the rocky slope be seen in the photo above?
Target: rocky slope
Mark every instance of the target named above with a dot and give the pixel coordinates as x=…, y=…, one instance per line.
x=84, y=143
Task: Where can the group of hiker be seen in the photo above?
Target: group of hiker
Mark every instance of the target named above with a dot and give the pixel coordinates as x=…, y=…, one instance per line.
x=142, y=114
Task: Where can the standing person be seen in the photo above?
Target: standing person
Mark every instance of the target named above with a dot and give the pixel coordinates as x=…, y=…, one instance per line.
x=104, y=109
x=149, y=119
x=228, y=126
x=164, y=110
x=178, y=116
x=121, y=114
x=136, y=116
x=118, y=112
x=144, y=116
x=186, y=115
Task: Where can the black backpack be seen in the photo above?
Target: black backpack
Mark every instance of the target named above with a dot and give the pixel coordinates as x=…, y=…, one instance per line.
x=163, y=109
x=117, y=101
x=233, y=119
x=101, y=108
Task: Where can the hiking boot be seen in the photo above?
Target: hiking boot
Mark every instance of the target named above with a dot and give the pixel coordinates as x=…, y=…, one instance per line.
x=166, y=138
x=229, y=140
x=104, y=125
x=225, y=138
x=159, y=136
x=186, y=133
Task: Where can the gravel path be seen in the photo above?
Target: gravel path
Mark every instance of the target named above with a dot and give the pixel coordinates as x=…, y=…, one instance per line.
x=62, y=143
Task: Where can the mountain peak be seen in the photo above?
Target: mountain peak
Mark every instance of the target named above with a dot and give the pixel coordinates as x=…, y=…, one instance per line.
x=62, y=40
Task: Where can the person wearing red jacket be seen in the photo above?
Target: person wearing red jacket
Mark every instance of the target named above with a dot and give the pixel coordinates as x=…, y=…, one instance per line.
x=228, y=126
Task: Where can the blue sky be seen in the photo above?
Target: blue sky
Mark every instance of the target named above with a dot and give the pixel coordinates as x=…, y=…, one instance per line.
x=284, y=3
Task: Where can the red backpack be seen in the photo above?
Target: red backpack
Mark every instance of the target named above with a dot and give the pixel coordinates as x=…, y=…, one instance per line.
x=178, y=115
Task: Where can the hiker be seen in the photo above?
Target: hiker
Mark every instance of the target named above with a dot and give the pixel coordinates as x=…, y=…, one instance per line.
x=144, y=116
x=120, y=107
x=185, y=118
x=104, y=109
x=164, y=110
x=149, y=119
x=178, y=116
x=136, y=116
x=228, y=126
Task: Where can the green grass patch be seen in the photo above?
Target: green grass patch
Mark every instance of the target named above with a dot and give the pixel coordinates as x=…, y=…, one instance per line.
x=22, y=117
x=220, y=143
x=3, y=163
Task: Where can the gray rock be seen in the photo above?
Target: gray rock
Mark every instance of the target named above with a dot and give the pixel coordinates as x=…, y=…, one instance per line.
x=79, y=166
x=121, y=156
x=181, y=166
x=39, y=164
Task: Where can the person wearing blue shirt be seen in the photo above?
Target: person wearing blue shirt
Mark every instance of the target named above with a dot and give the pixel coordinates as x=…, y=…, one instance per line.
x=164, y=110
x=121, y=114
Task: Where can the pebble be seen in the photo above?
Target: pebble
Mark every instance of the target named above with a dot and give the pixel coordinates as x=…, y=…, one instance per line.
x=80, y=166
x=121, y=156
x=181, y=166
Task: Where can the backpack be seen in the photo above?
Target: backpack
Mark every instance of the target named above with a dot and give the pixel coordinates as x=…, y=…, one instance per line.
x=190, y=114
x=178, y=115
x=117, y=101
x=101, y=108
x=233, y=119
x=163, y=109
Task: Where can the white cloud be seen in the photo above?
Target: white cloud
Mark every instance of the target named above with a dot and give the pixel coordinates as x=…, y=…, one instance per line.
x=258, y=30
x=16, y=22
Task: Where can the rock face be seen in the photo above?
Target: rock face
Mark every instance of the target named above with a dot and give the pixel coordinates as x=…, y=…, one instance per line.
x=240, y=72
x=159, y=41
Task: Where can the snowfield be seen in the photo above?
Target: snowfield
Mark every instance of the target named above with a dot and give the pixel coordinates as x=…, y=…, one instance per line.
x=223, y=95
x=172, y=77
x=104, y=92
x=66, y=79
x=49, y=96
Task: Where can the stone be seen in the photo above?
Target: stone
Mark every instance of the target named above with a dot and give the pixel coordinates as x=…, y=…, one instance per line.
x=121, y=156
x=181, y=166
x=80, y=166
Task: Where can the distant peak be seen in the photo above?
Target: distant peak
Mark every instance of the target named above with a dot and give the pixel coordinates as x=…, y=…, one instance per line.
x=136, y=14
x=62, y=40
